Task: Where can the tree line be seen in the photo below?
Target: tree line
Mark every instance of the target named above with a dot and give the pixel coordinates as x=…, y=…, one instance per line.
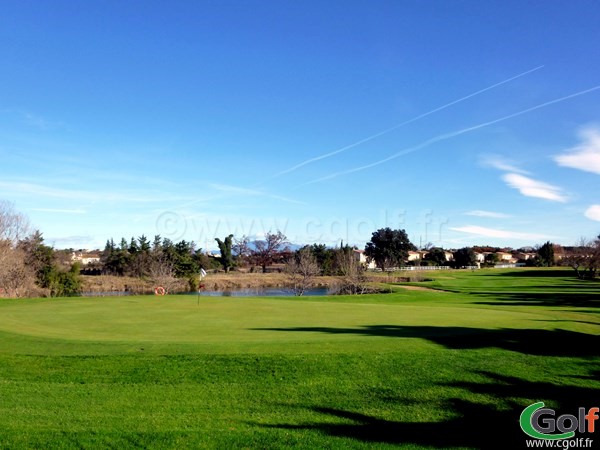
x=141, y=258
x=30, y=267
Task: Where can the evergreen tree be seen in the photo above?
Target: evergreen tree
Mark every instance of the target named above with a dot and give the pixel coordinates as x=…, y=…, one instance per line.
x=226, y=258
x=546, y=254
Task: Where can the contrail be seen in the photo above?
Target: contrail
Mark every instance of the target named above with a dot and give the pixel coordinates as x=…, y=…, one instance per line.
x=388, y=130
x=443, y=137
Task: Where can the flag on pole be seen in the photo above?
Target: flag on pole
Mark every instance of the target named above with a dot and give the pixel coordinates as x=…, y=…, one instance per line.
x=202, y=273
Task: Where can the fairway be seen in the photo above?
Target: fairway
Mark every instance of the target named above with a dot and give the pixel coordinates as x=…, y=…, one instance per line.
x=444, y=367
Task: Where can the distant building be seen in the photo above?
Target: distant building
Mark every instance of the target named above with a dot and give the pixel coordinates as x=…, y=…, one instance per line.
x=524, y=255
x=480, y=257
x=85, y=258
x=504, y=256
x=359, y=255
x=420, y=255
x=416, y=256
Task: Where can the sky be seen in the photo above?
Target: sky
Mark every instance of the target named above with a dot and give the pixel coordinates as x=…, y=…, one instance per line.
x=463, y=122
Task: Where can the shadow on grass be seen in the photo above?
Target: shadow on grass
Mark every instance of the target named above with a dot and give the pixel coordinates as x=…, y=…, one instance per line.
x=532, y=342
x=568, y=320
x=544, y=273
x=567, y=298
x=469, y=429
x=472, y=424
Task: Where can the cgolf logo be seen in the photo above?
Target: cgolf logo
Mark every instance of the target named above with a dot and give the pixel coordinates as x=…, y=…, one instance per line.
x=540, y=423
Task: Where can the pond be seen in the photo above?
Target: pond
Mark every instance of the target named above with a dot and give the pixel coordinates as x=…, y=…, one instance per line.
x=105, y=293
x=242, y=292
x=260, y=292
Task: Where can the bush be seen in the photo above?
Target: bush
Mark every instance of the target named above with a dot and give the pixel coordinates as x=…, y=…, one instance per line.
x=61, y=283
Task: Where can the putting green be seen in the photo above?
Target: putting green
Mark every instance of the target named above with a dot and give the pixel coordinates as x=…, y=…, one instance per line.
x=230, y=325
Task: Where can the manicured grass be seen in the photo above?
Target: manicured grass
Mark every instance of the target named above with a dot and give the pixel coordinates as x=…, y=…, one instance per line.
x=446, y=368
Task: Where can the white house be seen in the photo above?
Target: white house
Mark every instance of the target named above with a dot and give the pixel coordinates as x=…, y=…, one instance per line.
x=359, y=255
x=504, y=256
x=416, y=256
x=85, y=258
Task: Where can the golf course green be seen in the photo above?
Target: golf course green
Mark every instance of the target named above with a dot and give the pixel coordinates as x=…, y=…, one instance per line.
x=446, y=363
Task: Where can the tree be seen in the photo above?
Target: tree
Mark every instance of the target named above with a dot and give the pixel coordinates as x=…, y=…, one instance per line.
x=38, y=256
x=491, y=259
x=49, y=273
x=140, y=258
x=162, y=272
x=63, y=283
x=241, y=249
x=184, y=258
x=546, y=254
x=584, y=258
x=464, y=257
x=301, y=270
x=143, y=243
x=17, y=279
x=264, y=252
x=133, y=246
x=353, y=278
x=14, y=226
x=157, y=244
x=326, y=258
x=226, y=258
x=389, y=248
x=115, y=260
x=436, y=255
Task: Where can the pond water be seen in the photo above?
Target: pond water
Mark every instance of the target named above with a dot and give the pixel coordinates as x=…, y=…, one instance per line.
x=246, y=292
x=105, y=294
x=260, y=292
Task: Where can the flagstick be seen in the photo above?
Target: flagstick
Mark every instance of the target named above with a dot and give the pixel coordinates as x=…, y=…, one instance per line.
x=202, y=274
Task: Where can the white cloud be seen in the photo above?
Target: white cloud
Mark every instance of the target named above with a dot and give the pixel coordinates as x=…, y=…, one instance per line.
x=489, y=214
x=585, y=156
x=593, y=212
x=495, y=233
x=501, y=163
x=534, y=188
x=71, y=241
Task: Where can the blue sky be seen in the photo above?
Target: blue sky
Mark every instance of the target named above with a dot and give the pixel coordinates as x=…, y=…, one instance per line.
x=463, y=122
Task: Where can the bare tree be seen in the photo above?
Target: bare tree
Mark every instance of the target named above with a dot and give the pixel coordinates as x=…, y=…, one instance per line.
x=584, y=258
x=353, y=279
x=14, y=226
x=241, y=249
x=17, y=279
x=265, y=251
x=301, y=270
x=162, y=272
